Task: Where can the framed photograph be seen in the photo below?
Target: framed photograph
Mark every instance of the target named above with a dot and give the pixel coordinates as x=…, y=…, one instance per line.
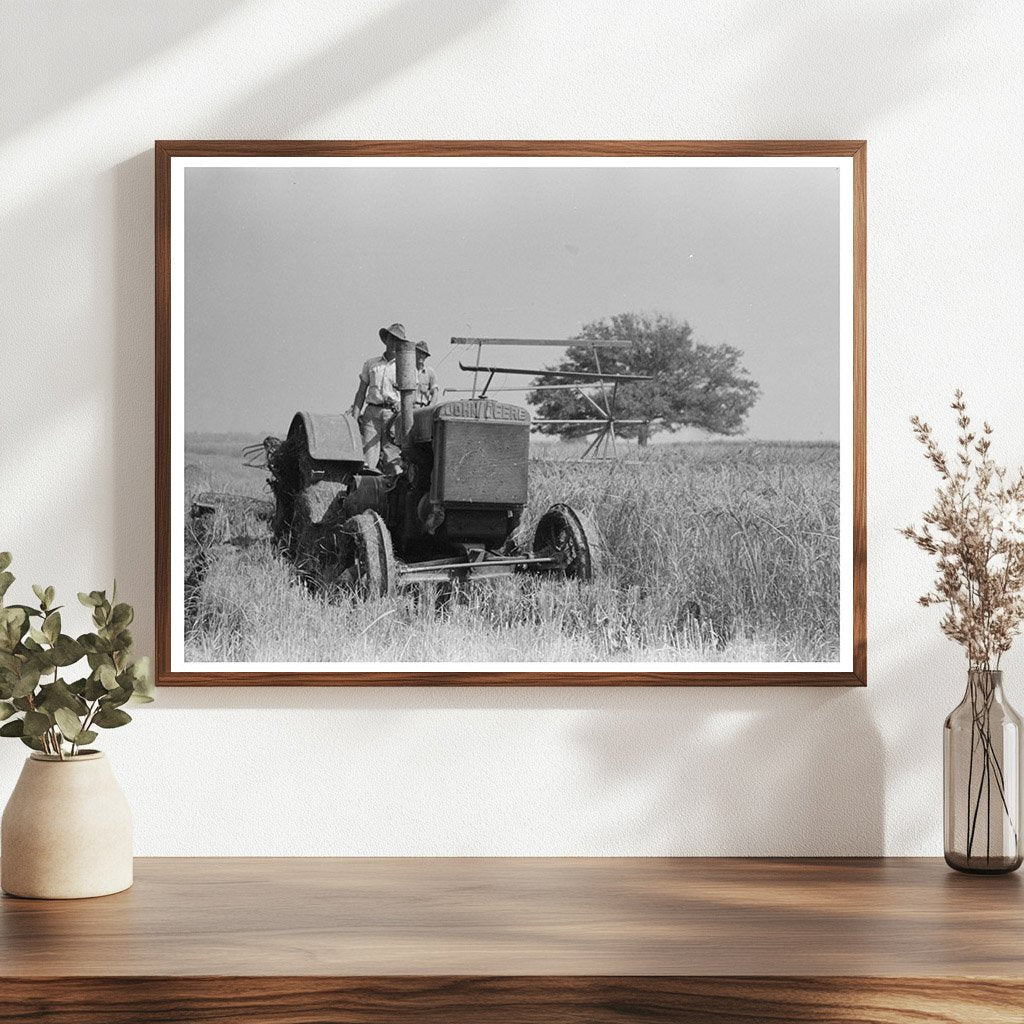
x=493, y=413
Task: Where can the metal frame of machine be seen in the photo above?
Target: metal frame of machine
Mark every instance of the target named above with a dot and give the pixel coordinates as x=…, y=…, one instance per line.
x=451, y=512
x=602, y=445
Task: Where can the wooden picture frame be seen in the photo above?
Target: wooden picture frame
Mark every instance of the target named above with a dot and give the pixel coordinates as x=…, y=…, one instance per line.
x=848, y=158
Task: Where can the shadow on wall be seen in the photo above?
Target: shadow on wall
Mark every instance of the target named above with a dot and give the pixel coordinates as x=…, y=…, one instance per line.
x=746, y=772
x=132, y=420
x=385, y=46
x=924, y=683
x=58, y=42
x=809, y=57
x=689, y=771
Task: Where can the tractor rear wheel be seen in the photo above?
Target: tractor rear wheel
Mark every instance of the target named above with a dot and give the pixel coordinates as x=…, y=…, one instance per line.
x=373, y=569
x=572, y=539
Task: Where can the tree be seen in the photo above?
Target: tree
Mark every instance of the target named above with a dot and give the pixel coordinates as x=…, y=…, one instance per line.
x=693, y=385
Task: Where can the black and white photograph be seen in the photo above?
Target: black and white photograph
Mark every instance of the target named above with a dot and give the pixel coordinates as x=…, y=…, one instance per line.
x=511, y=414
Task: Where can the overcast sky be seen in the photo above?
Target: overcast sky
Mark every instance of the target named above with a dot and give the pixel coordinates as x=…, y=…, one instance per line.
x=290, y=272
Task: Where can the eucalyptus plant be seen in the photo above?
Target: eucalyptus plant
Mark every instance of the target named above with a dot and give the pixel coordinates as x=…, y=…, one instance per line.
x=37, y=704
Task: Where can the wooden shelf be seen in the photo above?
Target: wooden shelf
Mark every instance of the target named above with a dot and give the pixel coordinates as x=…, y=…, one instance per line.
x=526, y=939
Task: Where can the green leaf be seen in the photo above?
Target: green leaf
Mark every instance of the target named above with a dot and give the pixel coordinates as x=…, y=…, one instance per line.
x=31, y=741
x=6, y=710
x=142, y=680
x=36, y=723
x=15, y=615
x=122, y=616
x=28, y=610
x=94, y=644
x=86, y=736
x=94, y=689
x=38, y=635
x=108, y=718
x=22, y=703
x=67, y=651
x=40, y=593
x=13, y=626
x=49, y=594
x=115, y=698
x=69, y=723
x=13, y=728
x=51, y=626
x=27, y=682
x=59, y=695
x=107, y=676
x=6, y=579
x=89, y=600
x=5, y=560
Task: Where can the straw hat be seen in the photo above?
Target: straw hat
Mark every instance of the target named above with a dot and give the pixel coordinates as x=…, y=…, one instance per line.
x=396, y=331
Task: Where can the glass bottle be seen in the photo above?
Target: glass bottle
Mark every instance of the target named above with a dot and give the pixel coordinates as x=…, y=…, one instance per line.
x=981, y=774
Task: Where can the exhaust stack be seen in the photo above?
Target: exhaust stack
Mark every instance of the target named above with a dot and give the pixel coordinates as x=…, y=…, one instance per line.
x=406, y=381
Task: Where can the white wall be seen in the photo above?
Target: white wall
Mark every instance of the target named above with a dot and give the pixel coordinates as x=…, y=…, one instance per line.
x=936, y=88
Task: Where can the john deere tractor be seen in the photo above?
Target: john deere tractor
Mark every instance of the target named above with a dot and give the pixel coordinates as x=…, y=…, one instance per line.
x=449, y=510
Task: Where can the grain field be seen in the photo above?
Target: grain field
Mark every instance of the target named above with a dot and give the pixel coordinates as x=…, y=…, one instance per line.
x=713, y=551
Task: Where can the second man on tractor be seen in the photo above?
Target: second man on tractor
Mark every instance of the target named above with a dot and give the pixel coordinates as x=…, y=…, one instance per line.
x=426, y=391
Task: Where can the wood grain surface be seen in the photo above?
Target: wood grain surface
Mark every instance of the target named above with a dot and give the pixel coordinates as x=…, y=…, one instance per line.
x=166, y=150
x=512, y=1000
x=504, y=916
x=509, y=939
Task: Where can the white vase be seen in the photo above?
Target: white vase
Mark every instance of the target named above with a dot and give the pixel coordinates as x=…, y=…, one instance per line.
x=66, y=831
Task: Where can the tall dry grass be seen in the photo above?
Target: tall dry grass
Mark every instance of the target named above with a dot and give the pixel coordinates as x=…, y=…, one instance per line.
x=711, y=552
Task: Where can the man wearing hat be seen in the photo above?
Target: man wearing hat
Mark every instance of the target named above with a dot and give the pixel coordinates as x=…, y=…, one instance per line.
x=377, y=400
x=426, y=391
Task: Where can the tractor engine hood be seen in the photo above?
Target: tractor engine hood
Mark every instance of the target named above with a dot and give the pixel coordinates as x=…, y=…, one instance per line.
x=481, y=410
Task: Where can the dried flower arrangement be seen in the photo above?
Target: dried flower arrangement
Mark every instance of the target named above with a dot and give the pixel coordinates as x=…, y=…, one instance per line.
x=975, y=530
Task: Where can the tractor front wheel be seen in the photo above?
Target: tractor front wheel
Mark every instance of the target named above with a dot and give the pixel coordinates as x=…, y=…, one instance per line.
x=571, y=539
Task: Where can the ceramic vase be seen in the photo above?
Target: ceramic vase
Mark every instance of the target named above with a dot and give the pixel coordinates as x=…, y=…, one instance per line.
x=66, y=831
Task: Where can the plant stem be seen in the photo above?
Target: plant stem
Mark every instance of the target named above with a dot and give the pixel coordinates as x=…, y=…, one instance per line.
x=988, y=810
x=970, y=767
x=982, y=698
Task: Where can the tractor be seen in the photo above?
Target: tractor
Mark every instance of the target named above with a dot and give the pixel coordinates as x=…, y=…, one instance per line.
x=449, y=510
